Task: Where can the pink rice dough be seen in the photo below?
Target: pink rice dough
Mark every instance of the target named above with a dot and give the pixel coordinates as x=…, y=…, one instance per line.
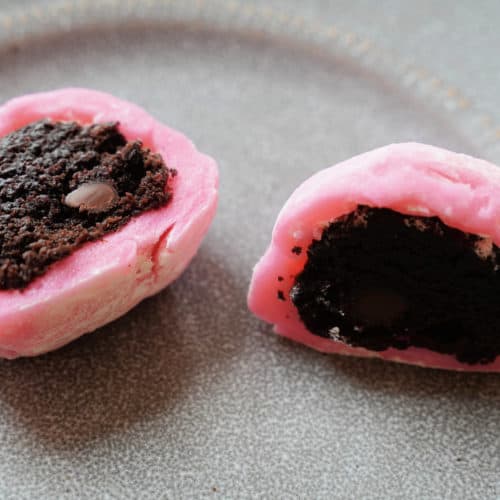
x=104, y=279
x=416, y=179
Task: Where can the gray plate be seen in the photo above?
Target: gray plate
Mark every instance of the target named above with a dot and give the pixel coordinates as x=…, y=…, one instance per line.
x=189, y=396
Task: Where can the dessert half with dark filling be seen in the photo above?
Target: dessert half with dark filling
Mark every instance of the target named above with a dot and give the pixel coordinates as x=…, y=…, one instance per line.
x=63, y=184
x=379, y=279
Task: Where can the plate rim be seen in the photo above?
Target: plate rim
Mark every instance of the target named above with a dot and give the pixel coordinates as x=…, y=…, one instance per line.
x=29, y=22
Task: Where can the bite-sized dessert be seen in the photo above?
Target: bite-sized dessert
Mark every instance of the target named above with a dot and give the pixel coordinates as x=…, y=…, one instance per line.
x=393, y=254
x=100, y=206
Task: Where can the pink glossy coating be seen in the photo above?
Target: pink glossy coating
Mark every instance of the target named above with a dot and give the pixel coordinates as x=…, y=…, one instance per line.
x=104, y=279
x=412, y=178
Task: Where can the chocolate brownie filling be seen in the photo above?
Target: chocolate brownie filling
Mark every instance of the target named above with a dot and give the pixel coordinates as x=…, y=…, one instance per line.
x=63, y=184
x=379, y=279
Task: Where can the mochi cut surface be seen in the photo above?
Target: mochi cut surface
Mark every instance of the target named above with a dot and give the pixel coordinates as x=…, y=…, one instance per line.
x=391, y=254
x=103, y=279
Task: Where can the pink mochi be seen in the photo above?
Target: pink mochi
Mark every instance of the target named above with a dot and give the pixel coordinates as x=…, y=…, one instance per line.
x=416, y=179
x=104, y=279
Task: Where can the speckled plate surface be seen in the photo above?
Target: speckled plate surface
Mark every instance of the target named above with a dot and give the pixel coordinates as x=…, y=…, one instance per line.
x=189, y=396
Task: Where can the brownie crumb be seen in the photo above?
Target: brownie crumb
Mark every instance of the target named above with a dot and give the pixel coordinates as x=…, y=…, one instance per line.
x=379, y=279
x=281, y=295
x=63, y=184
x=297, y=250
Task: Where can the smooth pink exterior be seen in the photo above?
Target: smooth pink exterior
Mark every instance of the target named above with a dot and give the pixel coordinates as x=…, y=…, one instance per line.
x=463, y=192
x=104, y=279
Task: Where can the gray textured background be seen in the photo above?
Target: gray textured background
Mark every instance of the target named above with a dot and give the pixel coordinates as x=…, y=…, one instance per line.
x=188, y=396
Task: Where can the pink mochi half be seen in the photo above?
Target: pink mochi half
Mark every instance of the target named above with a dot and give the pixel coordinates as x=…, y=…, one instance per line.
x=414, y=179
x=104, y=279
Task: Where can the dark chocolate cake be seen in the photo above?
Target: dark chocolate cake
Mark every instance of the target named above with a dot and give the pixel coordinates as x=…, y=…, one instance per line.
x=379, y=279
x=62, y=184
